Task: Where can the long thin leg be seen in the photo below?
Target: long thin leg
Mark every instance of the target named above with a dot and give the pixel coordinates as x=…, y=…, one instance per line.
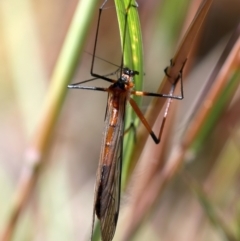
x=104, y=77
x=94, y=49
x=87, y=88
x=156, y=138
x=143, y=93
x=124, y=36
x=71, y=86
x=170, y=95
x=104, y=60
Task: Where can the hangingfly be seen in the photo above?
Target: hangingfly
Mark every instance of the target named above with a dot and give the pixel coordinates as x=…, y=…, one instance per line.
x=108, y=181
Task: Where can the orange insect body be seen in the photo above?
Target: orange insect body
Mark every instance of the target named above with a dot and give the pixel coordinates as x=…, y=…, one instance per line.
x=107, y=193
x=108, y=181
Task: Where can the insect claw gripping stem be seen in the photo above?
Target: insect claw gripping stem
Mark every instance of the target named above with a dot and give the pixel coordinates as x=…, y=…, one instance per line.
x=166, y=69
x=133, y=127
x=180, y=76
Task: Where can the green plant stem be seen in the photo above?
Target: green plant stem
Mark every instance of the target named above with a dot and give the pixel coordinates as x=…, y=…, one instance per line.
x=133, y=59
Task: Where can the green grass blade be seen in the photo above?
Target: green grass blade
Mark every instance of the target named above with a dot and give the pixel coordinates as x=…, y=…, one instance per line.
x=133, y=59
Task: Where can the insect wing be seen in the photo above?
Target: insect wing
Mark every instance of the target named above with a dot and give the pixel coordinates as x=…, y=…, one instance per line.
x=108, y=222
x=107, y=190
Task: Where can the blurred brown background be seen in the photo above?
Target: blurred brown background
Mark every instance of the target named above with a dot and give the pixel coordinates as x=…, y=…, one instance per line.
x=31, y=36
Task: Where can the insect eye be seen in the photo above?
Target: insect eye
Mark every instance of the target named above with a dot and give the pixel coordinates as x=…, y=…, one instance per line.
x=126, y=71
x=130, y=72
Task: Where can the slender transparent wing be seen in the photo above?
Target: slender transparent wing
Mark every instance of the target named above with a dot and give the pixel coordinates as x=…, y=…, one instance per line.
x=107, y=189
x=108, y=221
